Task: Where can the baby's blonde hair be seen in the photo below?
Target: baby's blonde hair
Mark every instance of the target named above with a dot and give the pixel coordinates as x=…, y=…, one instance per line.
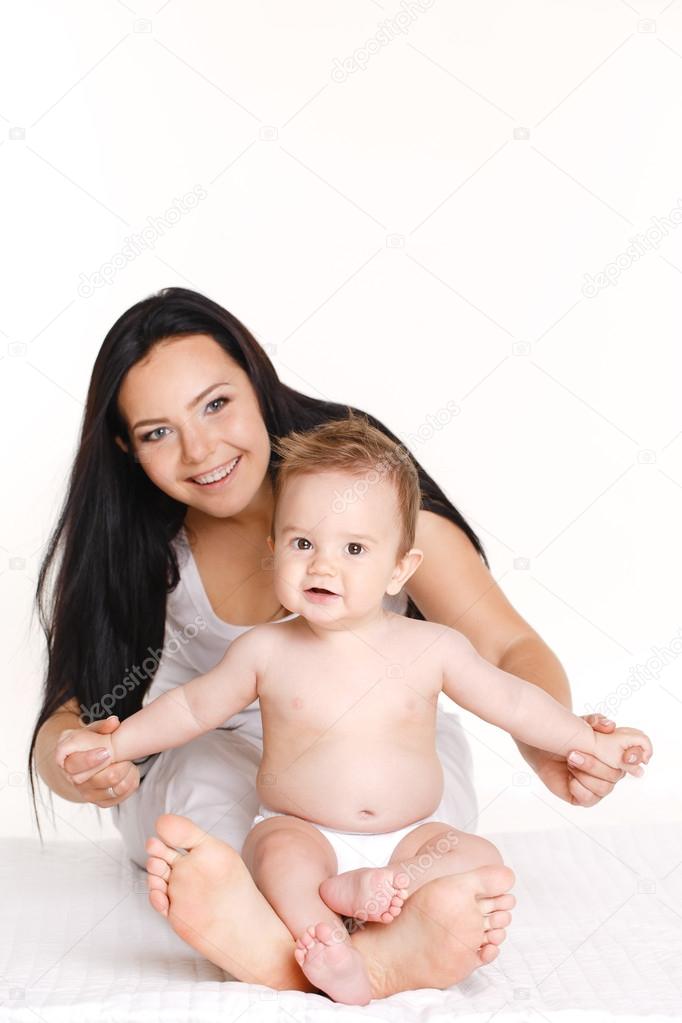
x=352, y=445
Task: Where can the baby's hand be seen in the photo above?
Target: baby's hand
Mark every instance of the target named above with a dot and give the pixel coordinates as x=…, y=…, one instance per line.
x=611, y=747
x=80, y=740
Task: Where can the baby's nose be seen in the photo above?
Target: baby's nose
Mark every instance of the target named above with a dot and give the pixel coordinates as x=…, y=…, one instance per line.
x=323, y=563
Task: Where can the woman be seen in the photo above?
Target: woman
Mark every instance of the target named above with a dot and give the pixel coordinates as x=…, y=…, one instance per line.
x=160, y=559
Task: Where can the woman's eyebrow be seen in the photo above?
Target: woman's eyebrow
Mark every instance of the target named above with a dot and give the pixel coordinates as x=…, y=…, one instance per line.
x=195, y=401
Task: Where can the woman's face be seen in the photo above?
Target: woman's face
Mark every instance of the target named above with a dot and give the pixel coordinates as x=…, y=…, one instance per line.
x=196, y=426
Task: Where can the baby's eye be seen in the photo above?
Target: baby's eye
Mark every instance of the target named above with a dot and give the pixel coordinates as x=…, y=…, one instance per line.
x=299, y=540
x=152, y=435
x=354, y=548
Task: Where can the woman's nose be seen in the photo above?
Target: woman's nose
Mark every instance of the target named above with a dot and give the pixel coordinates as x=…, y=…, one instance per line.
x=196, y=446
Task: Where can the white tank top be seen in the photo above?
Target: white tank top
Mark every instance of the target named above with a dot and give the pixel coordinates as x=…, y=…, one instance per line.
x=196, y=638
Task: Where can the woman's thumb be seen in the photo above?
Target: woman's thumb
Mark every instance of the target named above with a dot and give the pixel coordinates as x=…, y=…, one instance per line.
x=105, y=725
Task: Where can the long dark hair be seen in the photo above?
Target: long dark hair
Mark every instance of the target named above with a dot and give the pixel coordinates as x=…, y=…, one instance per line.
x=110, y=562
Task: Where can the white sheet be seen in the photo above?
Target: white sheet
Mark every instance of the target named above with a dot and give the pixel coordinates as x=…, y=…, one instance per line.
x=596, y=936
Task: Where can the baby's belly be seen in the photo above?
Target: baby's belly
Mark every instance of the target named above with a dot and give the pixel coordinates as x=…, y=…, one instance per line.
x=370, y=789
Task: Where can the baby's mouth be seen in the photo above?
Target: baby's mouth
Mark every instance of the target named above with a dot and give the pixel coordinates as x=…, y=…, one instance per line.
x=319, y=589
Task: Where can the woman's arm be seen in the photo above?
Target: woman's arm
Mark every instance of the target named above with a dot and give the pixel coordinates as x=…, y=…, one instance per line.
x=454, y=587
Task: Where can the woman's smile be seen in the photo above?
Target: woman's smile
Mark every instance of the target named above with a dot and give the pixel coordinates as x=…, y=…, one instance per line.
x=218, y=477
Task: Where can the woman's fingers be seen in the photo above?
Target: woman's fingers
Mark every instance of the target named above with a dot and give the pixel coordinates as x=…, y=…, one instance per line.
x=79, y=779
x=104, y=725
x=79, y=763
x=597, y=787
x=599, y=723
x=590, y=765
x=124, y=778
x=110, y=774
x=582, y=795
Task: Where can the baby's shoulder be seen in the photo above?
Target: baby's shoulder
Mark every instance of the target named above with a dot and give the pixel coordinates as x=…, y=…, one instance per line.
x=427, y=636
x=274, y=636
x=417, y=627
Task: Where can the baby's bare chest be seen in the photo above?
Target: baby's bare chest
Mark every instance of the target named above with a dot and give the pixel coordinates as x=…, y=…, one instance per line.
x=318, y=692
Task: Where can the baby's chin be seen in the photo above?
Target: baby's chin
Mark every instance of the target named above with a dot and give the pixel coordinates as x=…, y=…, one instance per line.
x=336, y=614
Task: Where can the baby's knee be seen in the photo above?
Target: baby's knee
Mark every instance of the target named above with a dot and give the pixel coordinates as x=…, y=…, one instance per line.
x=267, y=849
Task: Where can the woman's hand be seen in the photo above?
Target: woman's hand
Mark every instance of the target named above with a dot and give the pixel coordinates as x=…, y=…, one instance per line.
x=123, y=777
x=580, y=784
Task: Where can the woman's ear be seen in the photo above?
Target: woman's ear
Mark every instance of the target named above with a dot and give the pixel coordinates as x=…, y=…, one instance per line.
x=121, y=443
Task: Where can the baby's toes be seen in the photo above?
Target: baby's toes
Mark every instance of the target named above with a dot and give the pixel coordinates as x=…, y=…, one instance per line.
x=391, y=913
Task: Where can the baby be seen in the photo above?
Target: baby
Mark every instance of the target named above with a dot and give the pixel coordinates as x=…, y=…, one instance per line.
x=350, y=782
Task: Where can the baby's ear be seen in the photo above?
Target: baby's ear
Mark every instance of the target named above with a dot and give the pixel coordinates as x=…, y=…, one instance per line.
x=406, y=567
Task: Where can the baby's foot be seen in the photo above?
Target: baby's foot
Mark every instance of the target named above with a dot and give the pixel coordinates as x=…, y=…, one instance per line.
x=367, y=894
x=330, y=962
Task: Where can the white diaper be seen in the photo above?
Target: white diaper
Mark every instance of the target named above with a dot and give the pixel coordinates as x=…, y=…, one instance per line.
x=357, y=849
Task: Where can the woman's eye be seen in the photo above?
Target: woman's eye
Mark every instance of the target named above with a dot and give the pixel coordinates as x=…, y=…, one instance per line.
x=301, y=540
x=216, y=401
x=354, y=548
x=152, y=435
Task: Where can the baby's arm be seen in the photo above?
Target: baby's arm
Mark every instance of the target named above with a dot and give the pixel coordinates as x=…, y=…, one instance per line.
x=527, y=712
x=184, y=712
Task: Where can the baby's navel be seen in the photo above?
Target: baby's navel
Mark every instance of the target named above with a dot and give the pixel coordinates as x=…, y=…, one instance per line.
x=366, y=813
x=297, y=703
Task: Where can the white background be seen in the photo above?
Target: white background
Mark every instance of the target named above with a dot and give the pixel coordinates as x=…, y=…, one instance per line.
x=415, y=234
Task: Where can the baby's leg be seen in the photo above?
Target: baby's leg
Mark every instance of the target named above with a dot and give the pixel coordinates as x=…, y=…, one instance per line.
x=288, y=859
x=430, y=851
x=437, y=850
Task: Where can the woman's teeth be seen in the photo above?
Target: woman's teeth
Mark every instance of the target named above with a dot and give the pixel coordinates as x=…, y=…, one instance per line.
x=217, y=474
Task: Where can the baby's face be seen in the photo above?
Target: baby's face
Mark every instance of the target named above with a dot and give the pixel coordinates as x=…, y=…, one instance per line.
x=336, y=546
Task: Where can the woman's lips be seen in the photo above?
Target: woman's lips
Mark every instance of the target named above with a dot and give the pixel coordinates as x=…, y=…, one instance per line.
x=219, y=483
